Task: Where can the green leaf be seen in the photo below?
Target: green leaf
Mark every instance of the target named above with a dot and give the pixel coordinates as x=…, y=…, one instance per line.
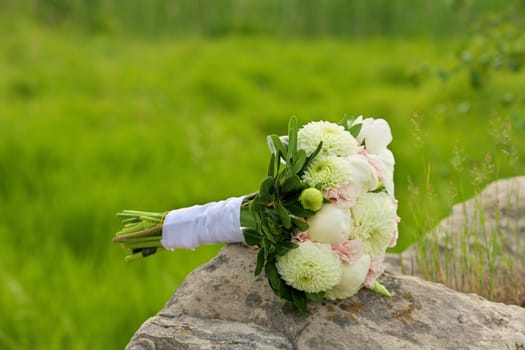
x=273, y=276
x=315, y=296
x=271, y=252
x=271, y=166
x=247, y=218
x=260, y=262
x=268, y=247
x=314, y=154
x=286, y=292
x=292, y=137
x=269, y=234
x=346, y=121
x=252, y=237
x=300, y=224
x=279, y=146
x=299, y=162
x=297, y=209
x=292, y=184
x=266, y=189
x=299, y=300
x=271, y=145
x=277, y=184
x=256, y=207
x=284, y=215
x=284, y=248
x=355, y=129
x=290, y=245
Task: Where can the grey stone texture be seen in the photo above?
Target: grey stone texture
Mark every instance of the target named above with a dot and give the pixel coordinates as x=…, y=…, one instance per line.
x=222, y=306
x=496, y=214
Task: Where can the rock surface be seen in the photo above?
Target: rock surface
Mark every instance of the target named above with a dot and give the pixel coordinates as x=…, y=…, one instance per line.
x=222, y=306
x=496, y=214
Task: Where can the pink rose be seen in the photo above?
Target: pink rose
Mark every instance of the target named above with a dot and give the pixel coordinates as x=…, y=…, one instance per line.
x=301, y=237
x=349, y=251
x=376, y=269
x=373, y=161
x=393, y=241
x=343, y=196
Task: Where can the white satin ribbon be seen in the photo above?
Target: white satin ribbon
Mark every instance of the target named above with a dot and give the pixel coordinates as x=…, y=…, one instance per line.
x=215, y=222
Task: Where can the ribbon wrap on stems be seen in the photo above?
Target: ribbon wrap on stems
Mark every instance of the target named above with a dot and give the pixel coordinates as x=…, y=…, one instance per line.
x=215, y=222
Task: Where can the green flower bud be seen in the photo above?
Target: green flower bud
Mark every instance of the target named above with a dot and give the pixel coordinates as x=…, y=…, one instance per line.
x=311, y=199
x=379, y=288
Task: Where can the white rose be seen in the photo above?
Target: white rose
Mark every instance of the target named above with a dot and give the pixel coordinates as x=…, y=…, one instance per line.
x=364, y=176
x=375, y=133
x=352, y=279
x=387, y=162
x=330, y=224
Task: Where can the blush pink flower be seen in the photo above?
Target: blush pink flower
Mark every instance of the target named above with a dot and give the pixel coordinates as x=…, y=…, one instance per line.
x=393, y=242
x=342, y=196
x=373, y=161
x=376, y=269
x=361, y=178
x=349, y=250
x=301, y=237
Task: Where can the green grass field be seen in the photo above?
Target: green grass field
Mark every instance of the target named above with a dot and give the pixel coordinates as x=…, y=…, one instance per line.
x=90, y=125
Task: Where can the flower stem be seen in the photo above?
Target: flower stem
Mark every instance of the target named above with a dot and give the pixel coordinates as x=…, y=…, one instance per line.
x=143, y=233
x=135, y=245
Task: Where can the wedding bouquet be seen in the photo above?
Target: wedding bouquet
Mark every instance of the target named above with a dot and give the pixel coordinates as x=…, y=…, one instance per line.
x=321, y=220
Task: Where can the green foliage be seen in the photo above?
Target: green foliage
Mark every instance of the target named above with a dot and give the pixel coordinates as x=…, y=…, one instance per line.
x=219, y=18
x=482, y=253
x=275, y=210
x=352, y=129
x=90, y=125
x=496, y=42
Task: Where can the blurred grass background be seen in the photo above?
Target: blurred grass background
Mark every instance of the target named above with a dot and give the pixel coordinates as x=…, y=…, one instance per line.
x=153, y=105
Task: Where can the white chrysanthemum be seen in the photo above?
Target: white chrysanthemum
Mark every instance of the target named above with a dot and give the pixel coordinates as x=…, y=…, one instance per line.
x=311, y=267
x=329, y=171
x=352, y=279
x=374, y=221
x=336, y=140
